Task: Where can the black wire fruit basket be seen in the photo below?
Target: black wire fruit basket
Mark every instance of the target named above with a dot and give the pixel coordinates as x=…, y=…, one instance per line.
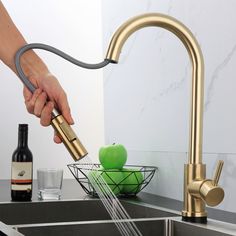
x=126, y=182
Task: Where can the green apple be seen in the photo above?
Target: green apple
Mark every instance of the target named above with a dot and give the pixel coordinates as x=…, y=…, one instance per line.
x=132, y=182
x=113, y=156
x=112, y=178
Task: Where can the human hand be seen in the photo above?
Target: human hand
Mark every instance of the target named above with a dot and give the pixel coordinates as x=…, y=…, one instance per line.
x=49, y=94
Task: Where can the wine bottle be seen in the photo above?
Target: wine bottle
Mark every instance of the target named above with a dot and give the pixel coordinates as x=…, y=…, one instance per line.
x=22, y=168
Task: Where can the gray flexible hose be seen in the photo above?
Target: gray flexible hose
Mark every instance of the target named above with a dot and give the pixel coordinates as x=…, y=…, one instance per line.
x=56, y=51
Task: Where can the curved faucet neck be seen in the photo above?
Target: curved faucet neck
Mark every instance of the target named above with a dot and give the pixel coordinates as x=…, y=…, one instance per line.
x=194, y=51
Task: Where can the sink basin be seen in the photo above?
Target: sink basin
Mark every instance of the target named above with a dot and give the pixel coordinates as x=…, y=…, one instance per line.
x=69, y=211
x=148, y=227
x=213, y=228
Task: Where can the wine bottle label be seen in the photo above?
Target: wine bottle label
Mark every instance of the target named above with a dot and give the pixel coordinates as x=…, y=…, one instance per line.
x=24, y=187
x=21, y=176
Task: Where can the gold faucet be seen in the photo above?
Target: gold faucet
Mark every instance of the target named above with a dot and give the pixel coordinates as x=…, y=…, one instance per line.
x=197, y=189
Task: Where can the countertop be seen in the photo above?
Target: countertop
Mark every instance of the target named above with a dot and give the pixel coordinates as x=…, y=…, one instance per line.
x=72, y=190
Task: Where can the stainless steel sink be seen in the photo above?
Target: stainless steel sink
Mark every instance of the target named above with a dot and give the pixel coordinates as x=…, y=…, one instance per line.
x=148, y=227
x=69, y=211
x=89, y=217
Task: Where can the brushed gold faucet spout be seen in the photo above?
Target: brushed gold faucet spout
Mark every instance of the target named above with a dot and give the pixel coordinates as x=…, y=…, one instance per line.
x=189, y=41
x=197, y=189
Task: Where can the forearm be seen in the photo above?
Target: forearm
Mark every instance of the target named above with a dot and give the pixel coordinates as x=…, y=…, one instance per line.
x=11, y=41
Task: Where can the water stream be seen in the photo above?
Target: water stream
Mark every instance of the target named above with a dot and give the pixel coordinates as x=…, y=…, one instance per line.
x=112, y=204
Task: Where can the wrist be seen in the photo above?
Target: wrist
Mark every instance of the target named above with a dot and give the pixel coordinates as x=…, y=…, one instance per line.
x=32, y=65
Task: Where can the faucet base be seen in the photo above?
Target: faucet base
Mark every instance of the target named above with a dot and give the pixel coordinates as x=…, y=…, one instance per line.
x=192, y=219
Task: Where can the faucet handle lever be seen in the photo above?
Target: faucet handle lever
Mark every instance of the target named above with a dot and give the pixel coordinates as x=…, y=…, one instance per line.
x=209, y=190
x=218, y=172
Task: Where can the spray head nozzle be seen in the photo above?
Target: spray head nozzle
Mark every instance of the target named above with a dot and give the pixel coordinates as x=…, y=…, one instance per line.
x=69, y=138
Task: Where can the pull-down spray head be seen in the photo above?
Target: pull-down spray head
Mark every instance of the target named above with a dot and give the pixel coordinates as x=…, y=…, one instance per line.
x=68, y=136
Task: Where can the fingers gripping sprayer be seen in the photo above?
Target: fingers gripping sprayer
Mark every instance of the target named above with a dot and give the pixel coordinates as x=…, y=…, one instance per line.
x=58, y=122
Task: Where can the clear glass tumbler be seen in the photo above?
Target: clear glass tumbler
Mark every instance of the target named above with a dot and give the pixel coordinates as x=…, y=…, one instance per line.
x=49, y=183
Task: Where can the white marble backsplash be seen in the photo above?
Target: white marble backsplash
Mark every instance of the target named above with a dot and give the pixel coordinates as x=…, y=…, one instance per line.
x=147, y=94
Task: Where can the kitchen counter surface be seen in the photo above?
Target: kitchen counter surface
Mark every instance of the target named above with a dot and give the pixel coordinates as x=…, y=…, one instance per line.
x=71, y=190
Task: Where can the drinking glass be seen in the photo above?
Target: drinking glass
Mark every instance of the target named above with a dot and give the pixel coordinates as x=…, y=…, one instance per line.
x=49, y=183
